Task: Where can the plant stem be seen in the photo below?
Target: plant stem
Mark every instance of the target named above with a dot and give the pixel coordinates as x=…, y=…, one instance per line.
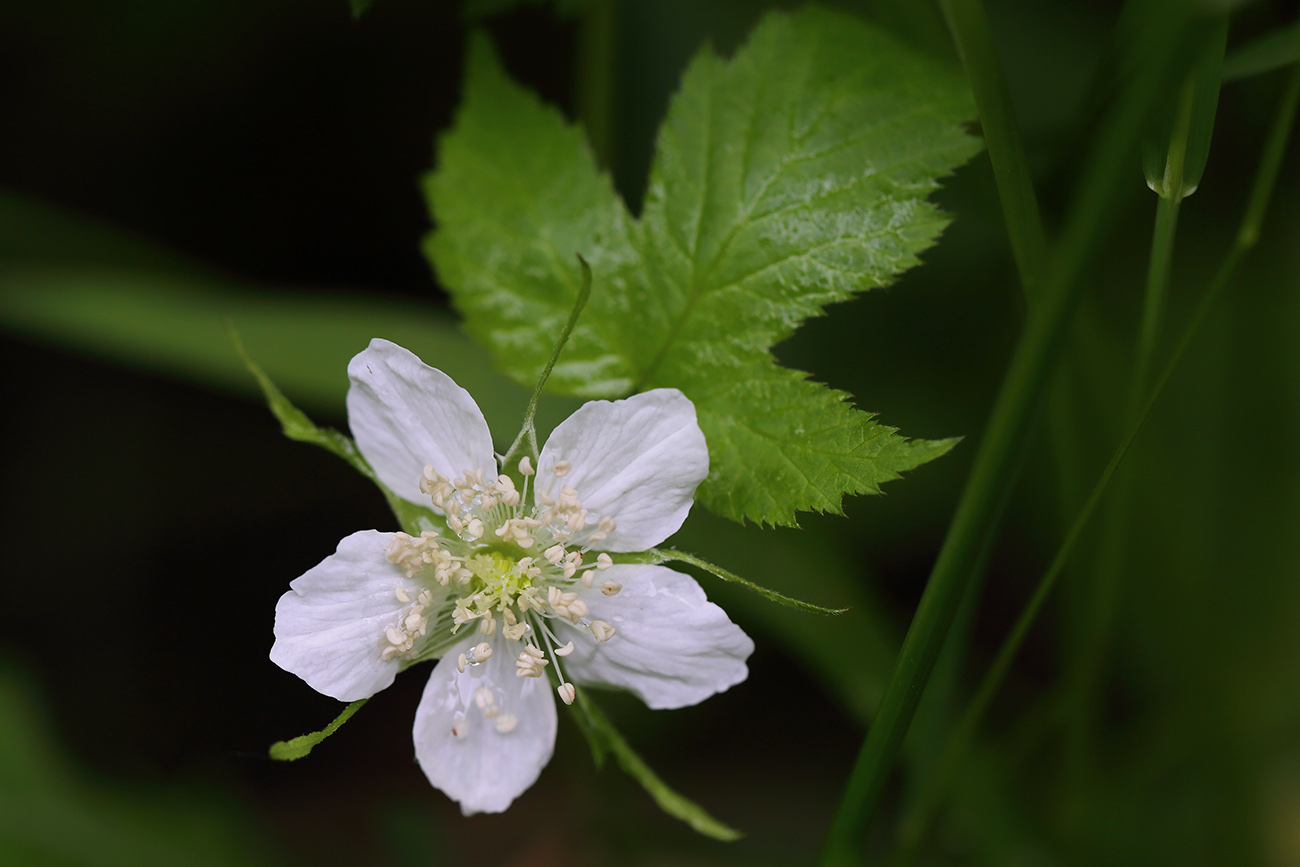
x=1006, y=438
x=974, y=41
x=1108, y=568
x=963, y=734
x=594, y=83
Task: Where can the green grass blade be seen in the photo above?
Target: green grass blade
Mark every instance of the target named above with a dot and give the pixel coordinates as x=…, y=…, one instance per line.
x=979, y=511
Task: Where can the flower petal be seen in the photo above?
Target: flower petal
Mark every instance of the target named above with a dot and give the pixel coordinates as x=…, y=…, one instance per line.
x=672, y=647
x=405, y=414
x=459, y=741
x=329, y=627
x=637, y=461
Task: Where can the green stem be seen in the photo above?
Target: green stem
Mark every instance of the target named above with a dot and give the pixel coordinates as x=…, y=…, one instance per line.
x=963, y=734
x=1108, y=572
x=1006, y=438
x=974, y=41
x=595, y=77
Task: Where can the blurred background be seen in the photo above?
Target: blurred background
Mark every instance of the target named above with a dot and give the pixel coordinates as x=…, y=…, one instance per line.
x=167, y=166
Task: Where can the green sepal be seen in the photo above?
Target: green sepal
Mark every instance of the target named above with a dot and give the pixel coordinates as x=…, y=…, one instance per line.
x=605, y=739
x=412, y=518
x=657, y=556
x=295, y=748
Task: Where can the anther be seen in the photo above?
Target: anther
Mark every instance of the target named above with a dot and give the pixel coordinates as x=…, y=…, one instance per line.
x=531, y=662
x=604, y=561
x=567, y=692
x=482, y=651
x=611, y=588
x=560, y=469
x=526, y=466
x=402, y=595
x=460, y=663
x=507, y=721
x=565, y=650
x=602, y=630
x=460, y=727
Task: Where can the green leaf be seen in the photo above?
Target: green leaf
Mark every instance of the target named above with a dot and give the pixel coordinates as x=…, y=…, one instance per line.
x=794, y=175
x=1273, y=50
x=605, y=738
x=296, y=748
x=360, y=7
x=297, y=426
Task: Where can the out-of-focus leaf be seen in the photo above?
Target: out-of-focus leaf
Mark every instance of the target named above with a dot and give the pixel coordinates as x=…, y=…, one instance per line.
x=1273, y=50
x=174, y=326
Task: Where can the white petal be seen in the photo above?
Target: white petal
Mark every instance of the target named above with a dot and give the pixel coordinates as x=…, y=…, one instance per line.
x=329, y=627
x=476, y=764
x=672, y=647
x=404, y=415
x=637, y=461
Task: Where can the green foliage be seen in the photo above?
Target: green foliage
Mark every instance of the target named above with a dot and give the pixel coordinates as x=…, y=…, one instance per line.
x=295, y=748
x=1273, y=50
x=1181, y=144
x=789, y=177
x=603, y=738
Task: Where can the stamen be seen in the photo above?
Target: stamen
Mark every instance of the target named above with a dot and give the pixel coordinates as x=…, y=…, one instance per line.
x=531, y=662
x=611, y=588
x=567, y=692
x=526, y=466
x=507, y=721
x=602, y=630
x=560, y=469
x=565, y=650
x=603, y=561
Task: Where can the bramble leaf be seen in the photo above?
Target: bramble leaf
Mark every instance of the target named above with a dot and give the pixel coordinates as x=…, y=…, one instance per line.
x=791, y=176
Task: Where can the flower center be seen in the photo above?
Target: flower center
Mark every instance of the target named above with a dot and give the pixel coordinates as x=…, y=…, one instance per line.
x=512, y=564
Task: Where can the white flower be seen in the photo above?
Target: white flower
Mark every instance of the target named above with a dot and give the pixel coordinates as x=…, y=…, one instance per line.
x=519, y=587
